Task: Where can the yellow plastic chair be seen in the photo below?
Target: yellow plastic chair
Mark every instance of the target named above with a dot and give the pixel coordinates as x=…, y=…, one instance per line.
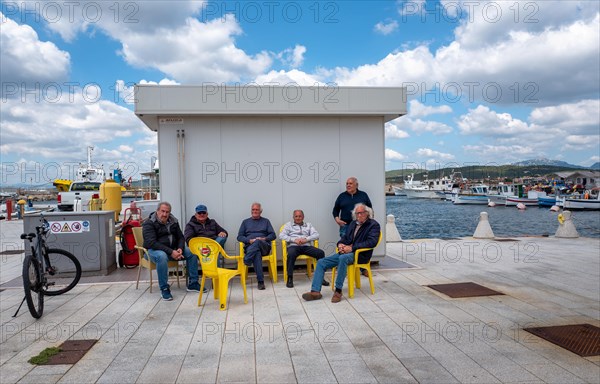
x=354, y=271
x=145, y=262
x=311, y=263
x=271, y=259
x=208, y=251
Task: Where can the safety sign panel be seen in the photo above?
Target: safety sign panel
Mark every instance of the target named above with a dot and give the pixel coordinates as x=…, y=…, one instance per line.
x=78, y=226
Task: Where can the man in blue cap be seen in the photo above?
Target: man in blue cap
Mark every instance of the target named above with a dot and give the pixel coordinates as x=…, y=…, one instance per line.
x=200, y=225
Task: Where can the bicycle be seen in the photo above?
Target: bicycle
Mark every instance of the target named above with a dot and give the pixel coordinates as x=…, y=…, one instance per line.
x=47, y=271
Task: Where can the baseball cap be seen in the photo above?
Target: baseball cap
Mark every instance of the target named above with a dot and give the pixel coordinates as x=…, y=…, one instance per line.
x=201, y=208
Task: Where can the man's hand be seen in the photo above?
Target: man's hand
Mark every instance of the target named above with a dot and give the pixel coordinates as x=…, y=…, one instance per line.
x=300, y=241
x=177, y=254
x=222, y=234
x=340, y=222
x=343, y=248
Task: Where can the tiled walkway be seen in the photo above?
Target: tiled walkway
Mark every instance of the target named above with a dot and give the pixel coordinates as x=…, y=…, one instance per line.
x=406, y=332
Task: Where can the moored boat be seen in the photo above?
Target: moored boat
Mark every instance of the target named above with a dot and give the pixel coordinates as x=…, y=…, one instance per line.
x=587, y=202
x=478, y=194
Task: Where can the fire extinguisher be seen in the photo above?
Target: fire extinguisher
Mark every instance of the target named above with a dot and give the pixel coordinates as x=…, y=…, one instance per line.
x=128, y=256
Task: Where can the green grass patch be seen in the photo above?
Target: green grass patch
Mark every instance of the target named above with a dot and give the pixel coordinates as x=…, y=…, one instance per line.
x=44, y=356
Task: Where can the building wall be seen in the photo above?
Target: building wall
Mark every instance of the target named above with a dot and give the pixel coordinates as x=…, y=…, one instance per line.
x=285, y=163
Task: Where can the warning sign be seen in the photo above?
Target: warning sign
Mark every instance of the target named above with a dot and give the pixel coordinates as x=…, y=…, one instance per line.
x=69, y=226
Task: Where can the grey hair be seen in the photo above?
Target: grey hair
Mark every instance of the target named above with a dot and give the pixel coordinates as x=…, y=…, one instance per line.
x=164, y=203
x=259, y=206
x=367, y=208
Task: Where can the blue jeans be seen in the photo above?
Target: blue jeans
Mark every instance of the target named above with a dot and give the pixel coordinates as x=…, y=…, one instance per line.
x=340, y=261
x=253, y=256
x=160, y=258
x=221, y=241
x=343, y=229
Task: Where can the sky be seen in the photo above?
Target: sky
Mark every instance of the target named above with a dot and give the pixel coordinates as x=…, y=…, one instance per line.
x=488, y=82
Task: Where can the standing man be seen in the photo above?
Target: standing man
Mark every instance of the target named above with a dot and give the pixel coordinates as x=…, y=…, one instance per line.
x=164, y=241
x=256, y=233
x=200, y=225
x=363, y=232
x=299, y=236
x=345, y=202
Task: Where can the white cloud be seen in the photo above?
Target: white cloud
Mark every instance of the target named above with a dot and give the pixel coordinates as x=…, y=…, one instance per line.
x=579, y=117
x=524, y=64
x=420, y=126
x=501, y=153
x=427, y=152
x=292, y=57
x=387, y=27
x=484, y=121
x=62, y=128
x=391, y=155
x=293, y=76
x=417, y=109
x=392, y=131
x=195, y=52
x=27, y=59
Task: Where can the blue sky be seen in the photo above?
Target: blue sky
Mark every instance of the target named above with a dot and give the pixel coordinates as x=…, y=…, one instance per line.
x=490, y=82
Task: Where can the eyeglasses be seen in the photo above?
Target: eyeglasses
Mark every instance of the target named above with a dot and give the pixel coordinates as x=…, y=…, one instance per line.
x=202, y=213
x=360, y=213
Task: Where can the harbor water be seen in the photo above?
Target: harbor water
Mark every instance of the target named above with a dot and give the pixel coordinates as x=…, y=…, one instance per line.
x=430, y=218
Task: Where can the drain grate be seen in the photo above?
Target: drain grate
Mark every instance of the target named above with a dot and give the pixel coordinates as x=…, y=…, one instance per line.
x=504, y=239
x=581, y=339
x=71, y=351
x=469, y=289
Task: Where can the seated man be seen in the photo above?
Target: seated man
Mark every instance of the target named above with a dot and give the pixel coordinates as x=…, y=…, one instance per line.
x=164, y=241
x=256, y=233
x=363, y=232
x=299, y=236
x=200, y=225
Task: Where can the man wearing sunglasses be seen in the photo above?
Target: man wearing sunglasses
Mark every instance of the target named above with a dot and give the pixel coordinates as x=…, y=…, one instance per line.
x=200, y=225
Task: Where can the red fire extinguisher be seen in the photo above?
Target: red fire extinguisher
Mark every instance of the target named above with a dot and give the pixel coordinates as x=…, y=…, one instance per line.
x=128, y=256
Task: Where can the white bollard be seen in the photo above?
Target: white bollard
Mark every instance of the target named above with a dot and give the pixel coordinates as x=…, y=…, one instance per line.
x=391, y=232
x=483, y=230
x=566, y=227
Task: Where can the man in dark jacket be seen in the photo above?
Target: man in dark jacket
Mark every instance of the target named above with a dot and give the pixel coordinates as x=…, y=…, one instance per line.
x=363, y=232
x=345, y=202
x=200, y=225
x=164, y=241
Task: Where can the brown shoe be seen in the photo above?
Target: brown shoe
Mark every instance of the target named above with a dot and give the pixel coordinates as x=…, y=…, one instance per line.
x=336, y=298
x=365, y=273
x=312, y=295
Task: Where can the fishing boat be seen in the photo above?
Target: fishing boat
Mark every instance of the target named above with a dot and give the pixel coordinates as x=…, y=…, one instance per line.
x=499, y=193
x=432, y=189
x=478, y=194
x=531, y=199
x=588, y=201
x=84, y=173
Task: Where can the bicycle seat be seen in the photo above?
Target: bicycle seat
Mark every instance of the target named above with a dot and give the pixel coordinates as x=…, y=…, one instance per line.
x=27, y=236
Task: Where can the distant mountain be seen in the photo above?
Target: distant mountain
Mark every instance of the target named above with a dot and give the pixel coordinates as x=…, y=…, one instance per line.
x=544, y=161
x=595, y=166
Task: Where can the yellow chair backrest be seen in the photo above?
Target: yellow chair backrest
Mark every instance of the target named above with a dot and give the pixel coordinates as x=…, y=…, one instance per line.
x=208, y=251
x=139, y=240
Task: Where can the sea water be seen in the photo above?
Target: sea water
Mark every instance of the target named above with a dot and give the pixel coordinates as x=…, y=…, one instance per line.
x=430, y=218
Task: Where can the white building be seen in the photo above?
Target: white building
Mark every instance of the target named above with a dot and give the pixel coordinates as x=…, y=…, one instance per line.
x=287, y=147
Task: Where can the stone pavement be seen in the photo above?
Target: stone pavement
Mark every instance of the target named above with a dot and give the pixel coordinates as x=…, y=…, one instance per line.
x=405, y=332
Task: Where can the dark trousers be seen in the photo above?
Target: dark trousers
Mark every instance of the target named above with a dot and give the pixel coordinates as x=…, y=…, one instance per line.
x=294, y=251
x=253, y=256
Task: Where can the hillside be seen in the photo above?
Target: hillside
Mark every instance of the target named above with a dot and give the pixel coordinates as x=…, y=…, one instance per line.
x=478, y=172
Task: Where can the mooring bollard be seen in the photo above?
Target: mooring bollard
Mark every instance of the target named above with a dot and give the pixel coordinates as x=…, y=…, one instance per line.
x=483, y=230
x=566, y=227
x=391, y=232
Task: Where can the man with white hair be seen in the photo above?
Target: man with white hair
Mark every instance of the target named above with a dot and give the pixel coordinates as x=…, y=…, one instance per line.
x=363, y=232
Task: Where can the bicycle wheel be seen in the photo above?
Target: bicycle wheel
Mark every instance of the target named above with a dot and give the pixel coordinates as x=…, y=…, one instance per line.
x=63, y=273
x=32, y=284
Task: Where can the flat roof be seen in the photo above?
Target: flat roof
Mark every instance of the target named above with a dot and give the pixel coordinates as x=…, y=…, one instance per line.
x=153, y=102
